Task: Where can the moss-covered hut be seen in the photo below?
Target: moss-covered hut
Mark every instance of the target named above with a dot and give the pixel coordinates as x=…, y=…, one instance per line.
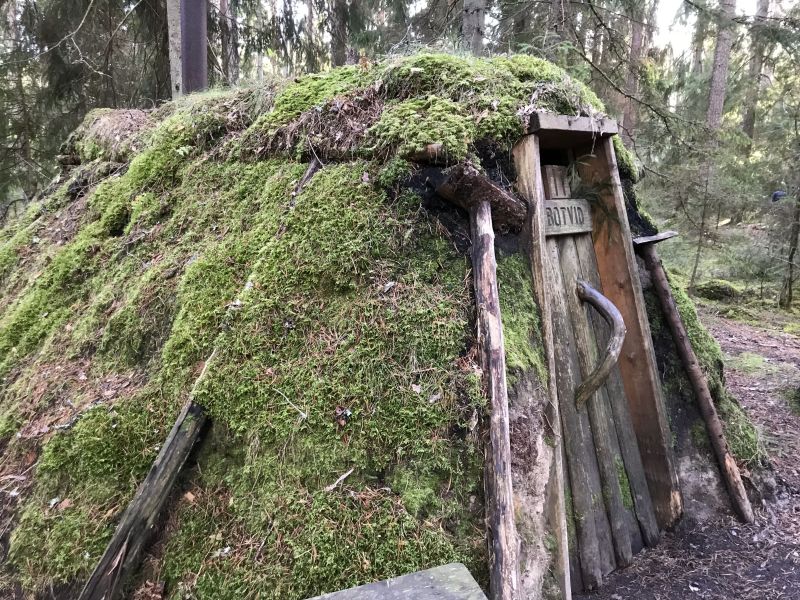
x=334, y=321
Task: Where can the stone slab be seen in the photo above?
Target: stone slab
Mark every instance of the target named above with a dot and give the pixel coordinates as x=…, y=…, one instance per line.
x=448, y=582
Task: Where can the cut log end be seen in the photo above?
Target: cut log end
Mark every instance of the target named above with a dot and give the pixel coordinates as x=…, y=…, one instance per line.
x=467, y=187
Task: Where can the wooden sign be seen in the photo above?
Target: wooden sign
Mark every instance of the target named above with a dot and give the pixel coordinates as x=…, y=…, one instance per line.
x=565, y=217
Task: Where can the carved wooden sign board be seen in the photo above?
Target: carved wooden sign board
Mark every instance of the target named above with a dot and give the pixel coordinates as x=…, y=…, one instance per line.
x=568, y=216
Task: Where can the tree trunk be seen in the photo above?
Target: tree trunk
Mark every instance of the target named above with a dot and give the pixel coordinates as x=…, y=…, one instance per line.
x=719, y=72
x=698, y=41
x=559, y=25
x=504, y=544
x=753, y=88
x=473, y=25
x=174, y=43
x=339, y=33
x=630, y=113
x=229, y=34
x=785, y=300
x=700, y=235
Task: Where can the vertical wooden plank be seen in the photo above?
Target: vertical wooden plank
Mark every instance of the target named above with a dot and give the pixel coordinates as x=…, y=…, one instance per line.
x=594, y=538
x=629, y=448
x=529, y=186
x=603, y=431
x=620, y=280
x=503, y=540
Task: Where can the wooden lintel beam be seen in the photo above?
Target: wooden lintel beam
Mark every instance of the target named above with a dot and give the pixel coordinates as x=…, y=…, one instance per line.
x=565, y=132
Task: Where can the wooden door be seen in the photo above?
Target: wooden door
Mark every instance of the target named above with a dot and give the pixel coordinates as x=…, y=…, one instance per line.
x=610, y=514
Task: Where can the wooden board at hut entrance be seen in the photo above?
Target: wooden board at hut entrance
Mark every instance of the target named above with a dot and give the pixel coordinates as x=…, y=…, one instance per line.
x=611, y=512
x=619, y=277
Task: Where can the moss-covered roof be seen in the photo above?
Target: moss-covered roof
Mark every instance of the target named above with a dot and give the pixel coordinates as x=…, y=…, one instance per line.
x=184, y=234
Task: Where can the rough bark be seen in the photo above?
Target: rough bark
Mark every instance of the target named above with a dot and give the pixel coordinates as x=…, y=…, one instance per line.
x=339, y=33
x=719, y=70
x=174, y=42
x=785, y=300
x=229, y=34
x=754, y=86
x=728, y=468
x=559, y=25
x=503, y=569
x=473, y=24
x=630, y=113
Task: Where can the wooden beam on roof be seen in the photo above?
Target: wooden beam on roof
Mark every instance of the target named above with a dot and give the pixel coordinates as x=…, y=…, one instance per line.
x=564, y=131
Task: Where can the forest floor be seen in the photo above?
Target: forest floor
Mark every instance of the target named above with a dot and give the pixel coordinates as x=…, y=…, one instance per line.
x=723, y=559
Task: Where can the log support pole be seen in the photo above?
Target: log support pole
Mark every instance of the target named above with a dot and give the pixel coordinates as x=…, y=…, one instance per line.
x=504, y=576
x=728, y=468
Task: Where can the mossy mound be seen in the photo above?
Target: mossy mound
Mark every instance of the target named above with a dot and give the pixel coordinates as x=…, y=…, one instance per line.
x=717, y=289
x=191, y=238
x=122, y=280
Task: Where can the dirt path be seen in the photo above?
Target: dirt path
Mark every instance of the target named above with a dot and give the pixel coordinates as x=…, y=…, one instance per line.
x=724, y=560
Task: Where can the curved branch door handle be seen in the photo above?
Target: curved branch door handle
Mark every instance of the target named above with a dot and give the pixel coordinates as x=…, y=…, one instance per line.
x=613, y=317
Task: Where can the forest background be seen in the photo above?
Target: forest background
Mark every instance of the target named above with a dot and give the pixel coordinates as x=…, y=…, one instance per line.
x=707, y=94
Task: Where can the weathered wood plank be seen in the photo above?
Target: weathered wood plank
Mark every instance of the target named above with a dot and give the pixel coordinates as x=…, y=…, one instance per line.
x=594, y=537
x=601, y=424
x=563, y=131
x=448, y=582
x=503, y=569
x=620, y=283
x=529, y=186
x=626, y=436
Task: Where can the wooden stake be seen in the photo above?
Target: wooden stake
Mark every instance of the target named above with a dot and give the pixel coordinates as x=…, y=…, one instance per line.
x=728, y=467
x=529, y=186
x=503, y=569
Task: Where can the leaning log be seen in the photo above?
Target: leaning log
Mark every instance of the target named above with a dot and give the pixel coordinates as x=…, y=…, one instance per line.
x=503, y=573
x=716, y=434
x=121, y=556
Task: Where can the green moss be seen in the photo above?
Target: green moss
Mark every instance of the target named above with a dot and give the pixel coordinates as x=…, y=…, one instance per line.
x=624, y=485
x=520, y=315
x=308, y=92
x=407, y=127
x=626, y=163
x=792, y=396
x=751, y=364
x=740, y=432
x=57, y=544
x=394, y=172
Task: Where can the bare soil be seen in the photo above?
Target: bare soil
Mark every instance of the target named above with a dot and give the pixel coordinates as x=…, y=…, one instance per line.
x=723, y=559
